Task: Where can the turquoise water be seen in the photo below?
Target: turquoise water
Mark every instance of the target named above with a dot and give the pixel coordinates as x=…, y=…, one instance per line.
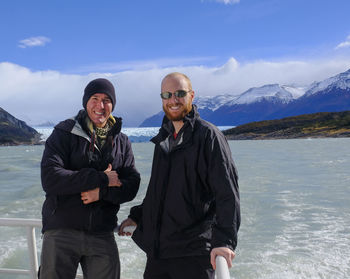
x=295, y=201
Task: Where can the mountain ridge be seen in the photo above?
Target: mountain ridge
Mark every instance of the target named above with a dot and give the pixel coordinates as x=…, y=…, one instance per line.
x=15, y=132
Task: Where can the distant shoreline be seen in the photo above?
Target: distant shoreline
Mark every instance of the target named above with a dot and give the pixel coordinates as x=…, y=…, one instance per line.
x=316, y=125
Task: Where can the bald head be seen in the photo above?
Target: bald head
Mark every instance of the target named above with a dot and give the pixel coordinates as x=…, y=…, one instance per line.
x=176, y=77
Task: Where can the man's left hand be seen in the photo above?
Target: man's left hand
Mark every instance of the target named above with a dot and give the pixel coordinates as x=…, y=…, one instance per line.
x=227, y=253
x=90, y=196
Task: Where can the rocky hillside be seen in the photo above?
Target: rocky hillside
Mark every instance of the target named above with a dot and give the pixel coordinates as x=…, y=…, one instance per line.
x=316, y=125
x=16, y=132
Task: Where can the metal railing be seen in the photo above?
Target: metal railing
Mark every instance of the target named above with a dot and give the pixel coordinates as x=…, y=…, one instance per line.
x=221, y=272
x=30, y=225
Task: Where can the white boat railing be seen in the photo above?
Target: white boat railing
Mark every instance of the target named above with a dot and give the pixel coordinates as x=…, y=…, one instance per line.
x=30, y=224
x=221, y=272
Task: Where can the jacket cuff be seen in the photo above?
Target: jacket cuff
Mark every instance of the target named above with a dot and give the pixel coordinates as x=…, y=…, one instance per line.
x=223, y=238
x=104, y=180
x=136, y=214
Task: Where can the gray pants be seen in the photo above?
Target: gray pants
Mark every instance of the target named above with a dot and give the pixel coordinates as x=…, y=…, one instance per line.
x=64, y=249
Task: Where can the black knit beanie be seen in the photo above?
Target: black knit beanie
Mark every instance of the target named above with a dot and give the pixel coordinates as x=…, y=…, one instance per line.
x=99, y=85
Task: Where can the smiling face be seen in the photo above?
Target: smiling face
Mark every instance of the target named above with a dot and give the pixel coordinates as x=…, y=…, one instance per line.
x=99, y=108
x=176, y=108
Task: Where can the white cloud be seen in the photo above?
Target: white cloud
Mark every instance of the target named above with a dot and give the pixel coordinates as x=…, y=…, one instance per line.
x=226, y=2
x=344, y=44
x=34, y=42
x=38, y=97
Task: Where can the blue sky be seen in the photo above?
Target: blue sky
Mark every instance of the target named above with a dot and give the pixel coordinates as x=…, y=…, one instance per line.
x=50, y=49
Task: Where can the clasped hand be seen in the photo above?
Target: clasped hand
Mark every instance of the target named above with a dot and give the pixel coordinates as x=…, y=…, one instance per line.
x=94, y=194
x=112, y=177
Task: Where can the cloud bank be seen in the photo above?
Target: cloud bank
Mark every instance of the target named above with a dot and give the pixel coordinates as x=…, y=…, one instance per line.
x=38, y=97
x=34, y=42
x=228, y=1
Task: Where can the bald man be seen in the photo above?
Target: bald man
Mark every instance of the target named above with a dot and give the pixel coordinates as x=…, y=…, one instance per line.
x=191, y=211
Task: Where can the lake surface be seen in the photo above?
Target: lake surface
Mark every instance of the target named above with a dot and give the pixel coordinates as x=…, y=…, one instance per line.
x=295, y=202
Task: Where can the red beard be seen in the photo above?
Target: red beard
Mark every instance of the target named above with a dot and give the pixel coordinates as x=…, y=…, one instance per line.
x=178, y=115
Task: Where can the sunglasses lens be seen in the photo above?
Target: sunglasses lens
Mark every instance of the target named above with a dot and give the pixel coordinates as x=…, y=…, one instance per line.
x=180, y=93
x=165, y=95
x=177, y=94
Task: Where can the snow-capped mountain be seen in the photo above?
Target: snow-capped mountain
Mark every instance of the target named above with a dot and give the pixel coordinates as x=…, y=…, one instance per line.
x=272, y=101
x=213, y=102
x=340, y=81
x=329, y=95
x=255, y=104
x=272, y=92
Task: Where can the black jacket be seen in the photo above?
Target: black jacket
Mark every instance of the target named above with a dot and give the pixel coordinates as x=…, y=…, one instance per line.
x=192, y=201
x=71, y=164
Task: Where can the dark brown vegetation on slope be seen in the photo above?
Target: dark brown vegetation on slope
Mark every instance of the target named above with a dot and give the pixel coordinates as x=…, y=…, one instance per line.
x=316, y=125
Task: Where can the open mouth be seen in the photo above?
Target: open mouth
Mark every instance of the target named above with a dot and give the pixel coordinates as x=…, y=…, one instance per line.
x=174, y=108
x=99, y=113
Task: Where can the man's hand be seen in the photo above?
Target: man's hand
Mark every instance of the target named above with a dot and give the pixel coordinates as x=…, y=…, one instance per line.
x=227, y=253
x=112, y=177
x=126, y=223
x=90, y=196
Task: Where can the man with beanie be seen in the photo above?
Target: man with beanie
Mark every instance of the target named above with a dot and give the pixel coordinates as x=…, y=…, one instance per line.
x=87, y=171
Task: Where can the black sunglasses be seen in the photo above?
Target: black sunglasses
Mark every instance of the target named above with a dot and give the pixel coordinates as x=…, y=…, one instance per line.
x=177, y=94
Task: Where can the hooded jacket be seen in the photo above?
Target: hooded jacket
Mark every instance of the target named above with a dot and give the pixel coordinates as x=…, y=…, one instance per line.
x=192, y=201
x=72, y=163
